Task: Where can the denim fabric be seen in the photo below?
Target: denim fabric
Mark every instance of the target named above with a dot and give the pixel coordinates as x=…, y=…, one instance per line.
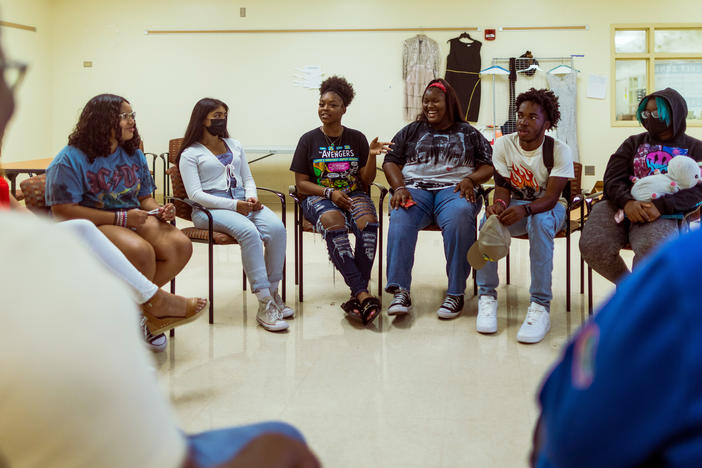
x=541, y=228
x=213, y=448
x=455, y=216
x=252, y=232
x=355, y=266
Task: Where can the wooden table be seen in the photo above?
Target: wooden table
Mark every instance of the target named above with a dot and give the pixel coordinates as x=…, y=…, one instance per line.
x=31, y=167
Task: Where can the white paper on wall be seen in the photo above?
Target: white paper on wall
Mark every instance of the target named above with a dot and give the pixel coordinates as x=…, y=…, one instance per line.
x=309, y=76
x=596, y=86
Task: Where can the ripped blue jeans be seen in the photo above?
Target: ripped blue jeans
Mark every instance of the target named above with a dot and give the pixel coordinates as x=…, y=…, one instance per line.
x=354, y=265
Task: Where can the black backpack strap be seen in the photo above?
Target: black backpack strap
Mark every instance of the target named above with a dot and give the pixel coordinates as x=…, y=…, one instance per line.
x=548, y=153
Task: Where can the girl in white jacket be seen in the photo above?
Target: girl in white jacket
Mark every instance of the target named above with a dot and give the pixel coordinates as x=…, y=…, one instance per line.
x=217, y=176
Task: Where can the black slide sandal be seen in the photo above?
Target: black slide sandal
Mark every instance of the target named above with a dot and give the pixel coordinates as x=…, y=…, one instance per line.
x=353, y=309
x=370, y=309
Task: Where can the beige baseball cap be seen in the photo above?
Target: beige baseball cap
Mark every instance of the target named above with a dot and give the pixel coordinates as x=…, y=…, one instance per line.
x=492, y=244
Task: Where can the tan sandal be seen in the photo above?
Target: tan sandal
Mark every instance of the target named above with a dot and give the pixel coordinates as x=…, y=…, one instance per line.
x=158, y=325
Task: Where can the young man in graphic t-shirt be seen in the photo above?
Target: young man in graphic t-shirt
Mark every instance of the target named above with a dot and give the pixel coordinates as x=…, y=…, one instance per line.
x=526, y=200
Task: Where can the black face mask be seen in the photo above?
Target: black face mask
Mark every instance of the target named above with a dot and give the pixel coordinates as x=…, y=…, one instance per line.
x=655, y=127
x=218, y=127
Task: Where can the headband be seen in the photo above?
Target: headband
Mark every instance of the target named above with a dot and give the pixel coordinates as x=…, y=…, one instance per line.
x=437, y=85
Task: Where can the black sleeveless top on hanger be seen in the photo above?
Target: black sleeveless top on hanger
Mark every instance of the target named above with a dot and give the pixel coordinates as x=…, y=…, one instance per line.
x=463, y=73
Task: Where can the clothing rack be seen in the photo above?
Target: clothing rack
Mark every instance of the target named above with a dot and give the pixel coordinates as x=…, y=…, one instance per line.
x=498, y=61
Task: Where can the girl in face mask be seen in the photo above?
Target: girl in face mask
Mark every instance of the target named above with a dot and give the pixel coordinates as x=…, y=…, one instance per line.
x=216, y=175
x=663, y=115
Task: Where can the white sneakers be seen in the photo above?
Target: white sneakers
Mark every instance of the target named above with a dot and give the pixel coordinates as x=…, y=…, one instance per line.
x=486, y=322
x=534, y=328
x=269, y=315
x=286, y=311
x=536, y=324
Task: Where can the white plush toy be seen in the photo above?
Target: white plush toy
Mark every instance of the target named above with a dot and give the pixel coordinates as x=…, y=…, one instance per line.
x=683, y=173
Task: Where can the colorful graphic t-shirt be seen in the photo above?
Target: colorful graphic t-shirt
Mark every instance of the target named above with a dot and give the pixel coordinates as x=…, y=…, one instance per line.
x=435, y=159
x=526, y=170
x=332, y=165
x=114, y=182
x=650, y=158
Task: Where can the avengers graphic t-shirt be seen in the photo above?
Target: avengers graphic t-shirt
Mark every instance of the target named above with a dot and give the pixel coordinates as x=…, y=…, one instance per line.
x=651, y=158
x=525, y=170
x=435, y=159
x=331, y=162
x=114, y=182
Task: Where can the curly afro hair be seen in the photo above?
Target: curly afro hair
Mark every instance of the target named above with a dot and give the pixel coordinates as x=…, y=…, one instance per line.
x=340, y=86
x=546, y=99
x=100, y=117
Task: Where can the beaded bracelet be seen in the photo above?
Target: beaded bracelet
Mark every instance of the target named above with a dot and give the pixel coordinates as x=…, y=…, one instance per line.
x=400, y=188
x=501, y=202
x=121, y=218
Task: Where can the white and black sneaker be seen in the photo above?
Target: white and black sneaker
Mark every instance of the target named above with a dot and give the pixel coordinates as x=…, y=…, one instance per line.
x=156, y=343
x=451, y=307
x=401, y=303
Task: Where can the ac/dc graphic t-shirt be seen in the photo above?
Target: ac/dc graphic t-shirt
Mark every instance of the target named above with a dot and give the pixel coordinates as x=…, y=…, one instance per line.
x=332, y=162
x=435, y=159
x=114, y=182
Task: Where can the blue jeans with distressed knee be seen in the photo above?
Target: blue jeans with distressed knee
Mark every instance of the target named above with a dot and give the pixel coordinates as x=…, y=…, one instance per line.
x=541, y=228
x=354, y=265
x=455, y=216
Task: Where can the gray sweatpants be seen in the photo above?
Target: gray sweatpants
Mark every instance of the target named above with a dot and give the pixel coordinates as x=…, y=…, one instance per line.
x=602, y=238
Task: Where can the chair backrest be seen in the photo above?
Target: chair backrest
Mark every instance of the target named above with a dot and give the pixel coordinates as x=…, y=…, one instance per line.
x=34, y=190
x=183, y=210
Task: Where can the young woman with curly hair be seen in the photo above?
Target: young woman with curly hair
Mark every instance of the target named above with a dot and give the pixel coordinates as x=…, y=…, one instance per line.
x=216, y=175
x=103, y=176
x=333, y=166
x=434, y=168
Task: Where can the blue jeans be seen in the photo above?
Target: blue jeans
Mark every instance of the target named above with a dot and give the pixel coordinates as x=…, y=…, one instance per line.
x=212, y=448
x=541, y=228
x=252, y=232
x=355, y=266
x=455, y=216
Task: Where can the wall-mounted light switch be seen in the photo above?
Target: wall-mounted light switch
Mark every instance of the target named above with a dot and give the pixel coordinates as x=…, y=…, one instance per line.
x=242, y=12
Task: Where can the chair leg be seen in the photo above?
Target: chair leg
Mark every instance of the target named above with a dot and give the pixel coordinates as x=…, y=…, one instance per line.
x=582, y=275
x=243, y=274
x=300, y=264
x=380, y=250
x=568, y=271
x=172, y=333
x=475, y=283
x=210, y=272
x=296, y=220
x=589, y=290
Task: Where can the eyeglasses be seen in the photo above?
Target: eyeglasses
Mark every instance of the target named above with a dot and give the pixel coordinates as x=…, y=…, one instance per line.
x=13, y=72
x=646, y=114
x=127, y=116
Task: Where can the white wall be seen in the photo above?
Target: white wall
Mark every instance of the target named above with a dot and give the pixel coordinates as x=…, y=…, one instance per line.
x=28, y=135
x=163, y=76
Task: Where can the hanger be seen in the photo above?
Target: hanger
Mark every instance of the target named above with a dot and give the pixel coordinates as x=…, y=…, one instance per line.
x=531, y=67
x=494, y=70
x=563, y=69
x=465, y=35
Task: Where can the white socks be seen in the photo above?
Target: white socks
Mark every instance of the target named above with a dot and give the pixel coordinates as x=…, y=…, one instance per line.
x=263, y=294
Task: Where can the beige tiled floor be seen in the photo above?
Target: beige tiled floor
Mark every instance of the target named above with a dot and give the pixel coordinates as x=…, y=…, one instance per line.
x=408, y=392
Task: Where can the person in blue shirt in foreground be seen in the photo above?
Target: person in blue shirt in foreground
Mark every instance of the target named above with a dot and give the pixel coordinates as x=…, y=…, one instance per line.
x=627, y=390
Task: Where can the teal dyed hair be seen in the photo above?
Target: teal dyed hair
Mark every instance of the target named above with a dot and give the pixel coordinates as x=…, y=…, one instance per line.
x=663, y=110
